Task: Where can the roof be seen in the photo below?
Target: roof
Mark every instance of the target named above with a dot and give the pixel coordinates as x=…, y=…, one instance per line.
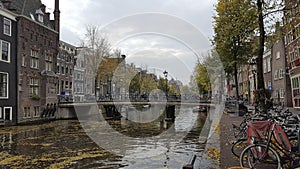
x=28, y=8
x=108, y=65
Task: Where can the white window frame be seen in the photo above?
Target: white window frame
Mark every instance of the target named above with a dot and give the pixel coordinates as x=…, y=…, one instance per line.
x=268, y=64
x=8, y=54
x=41, y=18
x=281, y=93
x=36, y=111
x=23, y=61
x=276, y=74
x=265, y=65
x=9, y=21
x=278, y=55
x=281, y=73
x=7, y=86
x=10, y=112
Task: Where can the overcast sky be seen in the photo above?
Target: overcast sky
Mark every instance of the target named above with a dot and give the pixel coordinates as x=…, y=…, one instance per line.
x=157, y=34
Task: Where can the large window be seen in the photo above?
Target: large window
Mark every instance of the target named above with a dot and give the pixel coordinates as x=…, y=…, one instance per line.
x=265, y=66
x=5, y=51
x=3, y=85
x=7, y=113
x=34, y=60
x=34, y=86
x=7, y=26
x=36, y=111
x=269, y=64
x=49, y=59
x=26, y=112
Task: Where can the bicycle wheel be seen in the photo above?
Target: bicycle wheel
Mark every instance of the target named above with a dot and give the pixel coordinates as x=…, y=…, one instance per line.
x=238, y=146
x=259, y=156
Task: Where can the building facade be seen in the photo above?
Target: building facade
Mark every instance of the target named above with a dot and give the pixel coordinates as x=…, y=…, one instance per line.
x=280, y=80
x=8, y=67
x=291, y=30
x=37, y=48
x=78, y=79
x=65, y=70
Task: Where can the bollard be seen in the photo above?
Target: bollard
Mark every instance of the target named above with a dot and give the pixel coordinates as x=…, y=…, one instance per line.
x=190, y=165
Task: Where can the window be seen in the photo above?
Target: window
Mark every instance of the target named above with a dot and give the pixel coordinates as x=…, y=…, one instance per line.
x=7, y=113
x=281, y=93
x=5, y=51
x=269, y=64
x=278, y=55
x=34, y=61
x=58, y=68
x=62, y=70
x=3, y=85
x=7, y=26
x=1, y=116
x=36, y=111
x=34, y=86
x=67, y=85
x=281, y=73
x=23, y=61
x=276, y=75
x=41, y=18
x=26, y=112
x=265, y=66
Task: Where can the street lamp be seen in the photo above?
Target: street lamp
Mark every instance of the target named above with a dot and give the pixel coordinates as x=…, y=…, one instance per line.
x=166, y=77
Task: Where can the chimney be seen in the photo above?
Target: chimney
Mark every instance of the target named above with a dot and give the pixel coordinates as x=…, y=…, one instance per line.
x=56, y=16
x=47, y=14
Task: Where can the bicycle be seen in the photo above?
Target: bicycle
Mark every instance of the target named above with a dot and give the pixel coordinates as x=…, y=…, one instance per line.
x=269, y=147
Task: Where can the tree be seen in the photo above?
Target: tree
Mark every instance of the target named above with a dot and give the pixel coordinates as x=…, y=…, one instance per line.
x=234, y=34
x=148, y=84
x=162, y=84
x=96, y=47
x=202, y=79
x=269, y=13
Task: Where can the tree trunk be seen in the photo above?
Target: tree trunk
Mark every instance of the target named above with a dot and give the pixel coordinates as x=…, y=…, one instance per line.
x=95, y=87
x=259, y=61
x=236, y=81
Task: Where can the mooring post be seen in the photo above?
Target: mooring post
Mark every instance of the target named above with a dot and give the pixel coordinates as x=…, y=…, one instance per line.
x=190, y=165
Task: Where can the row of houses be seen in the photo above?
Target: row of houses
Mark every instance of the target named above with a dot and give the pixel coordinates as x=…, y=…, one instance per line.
x=35, y=66
x=281, y=64
x=38, y=70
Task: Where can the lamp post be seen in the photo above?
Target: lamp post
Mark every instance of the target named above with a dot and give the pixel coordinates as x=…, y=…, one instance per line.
x=166, y=77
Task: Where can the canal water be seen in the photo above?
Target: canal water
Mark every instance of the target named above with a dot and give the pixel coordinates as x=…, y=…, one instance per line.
x=66, y=144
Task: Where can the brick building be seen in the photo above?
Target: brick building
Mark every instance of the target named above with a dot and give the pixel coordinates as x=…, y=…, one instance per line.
x=267, y=69
x=65, y=69
x=280, y=80
x=291, y=30
x=37, y=48
x=8, y=62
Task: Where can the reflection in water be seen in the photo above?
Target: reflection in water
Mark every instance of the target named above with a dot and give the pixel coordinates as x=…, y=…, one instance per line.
x=64, y=144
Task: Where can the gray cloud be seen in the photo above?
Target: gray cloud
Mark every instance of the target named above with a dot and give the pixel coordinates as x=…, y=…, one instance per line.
x=180, y=30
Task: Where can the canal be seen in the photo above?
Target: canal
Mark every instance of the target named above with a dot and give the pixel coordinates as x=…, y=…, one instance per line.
x=66, y=144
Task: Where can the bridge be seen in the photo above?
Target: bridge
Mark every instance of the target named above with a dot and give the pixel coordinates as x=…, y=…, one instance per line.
x=111, y=108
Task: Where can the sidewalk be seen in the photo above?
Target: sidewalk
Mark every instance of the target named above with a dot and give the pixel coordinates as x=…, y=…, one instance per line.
x=227, y=159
